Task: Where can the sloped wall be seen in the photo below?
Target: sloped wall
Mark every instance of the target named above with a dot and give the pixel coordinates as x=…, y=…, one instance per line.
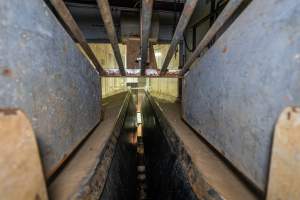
x=233, y=94
x=43, y=73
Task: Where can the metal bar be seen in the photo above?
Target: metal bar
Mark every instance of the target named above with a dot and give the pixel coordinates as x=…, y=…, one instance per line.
x=111, y=32
x=228, y=11
x=181, y=63
x=151, y=73
x=183, y=22
x=69, y=21
x=146, y=16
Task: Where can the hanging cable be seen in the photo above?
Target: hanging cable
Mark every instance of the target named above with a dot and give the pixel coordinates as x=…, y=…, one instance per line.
x=186, y=44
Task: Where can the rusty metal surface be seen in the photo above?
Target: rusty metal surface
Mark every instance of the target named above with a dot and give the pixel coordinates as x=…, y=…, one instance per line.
x=228, y=11
x=186, y=14
x=69, y=21
x=133, y=53
x=284, y=175
x=146, y=16
x=43, y=73
x=233, y=95
x=111, y=32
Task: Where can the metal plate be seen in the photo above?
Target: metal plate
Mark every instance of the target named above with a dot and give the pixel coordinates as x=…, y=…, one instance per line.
x=233, y=95
x=19, y=159
x=43, y=73
x=285, y=163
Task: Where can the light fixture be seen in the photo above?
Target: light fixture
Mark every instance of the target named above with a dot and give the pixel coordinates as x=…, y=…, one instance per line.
x=157, y=54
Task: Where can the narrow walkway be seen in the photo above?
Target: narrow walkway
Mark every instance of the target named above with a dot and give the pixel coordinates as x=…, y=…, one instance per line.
x=80, y=173
x=209, y=167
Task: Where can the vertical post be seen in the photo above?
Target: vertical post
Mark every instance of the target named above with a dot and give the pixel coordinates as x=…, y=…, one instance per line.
x=181, y=63
x=146, y=16
x=111, y=32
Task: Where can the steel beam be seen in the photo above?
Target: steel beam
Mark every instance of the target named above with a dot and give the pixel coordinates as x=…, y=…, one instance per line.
x=225, y=15
x=183, y=22
x=69, y=21
x=111, y=32
x=146, y=17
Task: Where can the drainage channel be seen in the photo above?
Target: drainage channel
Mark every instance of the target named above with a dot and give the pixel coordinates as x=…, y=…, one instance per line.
x=141, y=168
x=144, y=166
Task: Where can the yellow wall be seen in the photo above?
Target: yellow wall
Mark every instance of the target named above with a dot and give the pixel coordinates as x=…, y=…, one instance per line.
x=105, y=56
x=160, y=51
x=166, y=88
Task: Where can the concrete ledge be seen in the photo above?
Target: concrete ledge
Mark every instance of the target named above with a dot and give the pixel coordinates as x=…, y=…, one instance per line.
x=84, y=176
x=209, y=176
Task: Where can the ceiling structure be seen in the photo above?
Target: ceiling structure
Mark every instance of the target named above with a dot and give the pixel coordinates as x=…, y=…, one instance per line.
x=162, y=5
x=87, y=16
x=148, y=21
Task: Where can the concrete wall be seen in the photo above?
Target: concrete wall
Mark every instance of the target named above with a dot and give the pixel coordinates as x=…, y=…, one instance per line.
x=166, y=88
x=105, y=55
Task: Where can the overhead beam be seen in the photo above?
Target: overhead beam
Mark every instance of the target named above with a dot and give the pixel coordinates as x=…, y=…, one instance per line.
x=146, y=17
x=111, y=32
x=225, y=15
x=187, y=12
x=69, y=21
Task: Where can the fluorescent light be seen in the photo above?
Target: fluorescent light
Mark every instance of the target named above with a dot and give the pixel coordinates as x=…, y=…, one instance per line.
x=139, y=118
x=157, y=54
